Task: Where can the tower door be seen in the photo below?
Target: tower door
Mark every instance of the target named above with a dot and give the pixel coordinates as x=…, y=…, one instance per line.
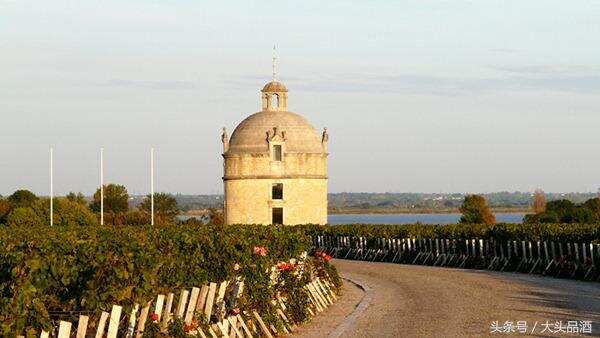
x=277, y=216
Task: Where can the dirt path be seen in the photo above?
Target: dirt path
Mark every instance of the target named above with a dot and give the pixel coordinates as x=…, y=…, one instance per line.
x=420, y=301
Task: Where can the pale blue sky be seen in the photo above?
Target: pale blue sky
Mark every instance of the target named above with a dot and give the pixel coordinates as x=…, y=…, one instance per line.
x=422, y=96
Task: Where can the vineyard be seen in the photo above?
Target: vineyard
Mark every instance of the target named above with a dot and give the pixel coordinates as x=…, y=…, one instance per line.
x=251, y=280
x=558, y=250
x=63, y=274
x=501, y=232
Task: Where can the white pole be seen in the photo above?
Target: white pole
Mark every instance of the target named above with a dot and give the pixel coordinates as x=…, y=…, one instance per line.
x=51, y=190
x=101, y=186
x=152, y=186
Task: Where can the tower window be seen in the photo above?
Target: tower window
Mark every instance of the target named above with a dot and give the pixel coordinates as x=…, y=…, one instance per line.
x=277, y=192
x=275, y=101
x=277, y=154
x=277, y=215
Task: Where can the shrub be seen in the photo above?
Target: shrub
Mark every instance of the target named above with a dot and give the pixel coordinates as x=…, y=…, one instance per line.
x=116, y=203
x=22, y=198
x=565, y=211
x=165, y=208
x=137, y=217
x=476, y=210
x=23, y=217
x=76, y=197
x=5, y=208
x=67, y=212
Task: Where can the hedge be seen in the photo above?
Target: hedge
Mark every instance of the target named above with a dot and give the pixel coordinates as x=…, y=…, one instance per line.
x=500, y=231
x=45, y=270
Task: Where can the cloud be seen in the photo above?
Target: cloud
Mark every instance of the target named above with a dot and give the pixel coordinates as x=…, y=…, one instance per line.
x=160, y=85
x=565, y=78
x=504, y=50
x=549, y=69
x=6, y=3
x=362, y=82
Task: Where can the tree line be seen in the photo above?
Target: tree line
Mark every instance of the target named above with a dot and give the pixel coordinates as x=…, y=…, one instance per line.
x=564, y=211
x=475, y=210
x=340, y=202
x=24, y=208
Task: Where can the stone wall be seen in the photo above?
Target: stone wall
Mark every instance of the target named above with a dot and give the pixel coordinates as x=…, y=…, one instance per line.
x=261, y=165
x=248, y=201
x=248, y=186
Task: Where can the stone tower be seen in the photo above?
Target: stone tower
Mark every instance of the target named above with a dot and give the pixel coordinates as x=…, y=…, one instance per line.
x=275, y=166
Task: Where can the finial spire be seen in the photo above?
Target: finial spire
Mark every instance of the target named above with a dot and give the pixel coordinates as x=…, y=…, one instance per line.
x=274, y=63
x=225, y=140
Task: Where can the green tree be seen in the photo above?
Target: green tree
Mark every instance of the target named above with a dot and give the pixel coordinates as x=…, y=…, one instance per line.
x=216, y=216
x=565, y=211
x=165, y=208
x=593, y=204
x=116, y=203
x=23, y=217
x=76, y=197
x=22, y=198
x=539, y=202
x=5, y=208
x=66, y=212
x=137, y=217
x=560, y=207
x=476, y=211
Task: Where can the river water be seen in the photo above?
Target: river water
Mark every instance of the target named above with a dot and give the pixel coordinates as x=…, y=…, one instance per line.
x=414, y=218
x=406, y=218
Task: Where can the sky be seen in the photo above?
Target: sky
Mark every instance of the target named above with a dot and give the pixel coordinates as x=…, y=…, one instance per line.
x=417, y=96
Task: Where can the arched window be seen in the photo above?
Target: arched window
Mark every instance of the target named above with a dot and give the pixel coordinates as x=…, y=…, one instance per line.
x=277, y=152
x=274, y=101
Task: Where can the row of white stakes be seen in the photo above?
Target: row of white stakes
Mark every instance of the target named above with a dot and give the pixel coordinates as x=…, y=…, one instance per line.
x=200, y=299
x=587, y=249
x=321, y=295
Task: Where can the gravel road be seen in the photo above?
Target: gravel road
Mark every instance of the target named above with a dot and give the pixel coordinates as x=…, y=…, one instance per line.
x=421, y=301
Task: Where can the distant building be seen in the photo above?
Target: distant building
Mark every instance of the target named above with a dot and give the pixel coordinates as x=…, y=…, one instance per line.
x=275, y=166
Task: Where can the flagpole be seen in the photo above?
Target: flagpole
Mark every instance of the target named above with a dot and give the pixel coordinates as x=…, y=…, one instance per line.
x=51, y=190
x=152, y=186
x=101, y=186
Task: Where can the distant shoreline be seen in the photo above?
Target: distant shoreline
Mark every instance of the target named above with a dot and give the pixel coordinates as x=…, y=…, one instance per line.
x=419, y=211
x=384, y=211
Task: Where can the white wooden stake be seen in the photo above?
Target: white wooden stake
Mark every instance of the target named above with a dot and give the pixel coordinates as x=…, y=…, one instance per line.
x=102, y=324
x=263, y=327
x=152, y=186
x=113, y=323
x=244, y=326
x=101, y=186
x=132, y=320
x=64, y=330
x=212, y=288
x=167, y=313
x=202, y=298
x=142, y=321
x=233, y=321
x=160, y=299
x=82, y=326
x=51, y=189
x=189, y=315
x=182, y=302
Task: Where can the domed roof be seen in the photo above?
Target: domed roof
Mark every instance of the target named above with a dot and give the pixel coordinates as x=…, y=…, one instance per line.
x=274, y=86
x=250, y=136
